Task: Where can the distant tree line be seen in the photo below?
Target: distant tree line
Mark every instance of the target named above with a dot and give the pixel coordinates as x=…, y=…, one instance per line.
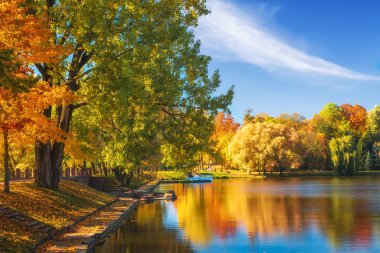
x=345, y=138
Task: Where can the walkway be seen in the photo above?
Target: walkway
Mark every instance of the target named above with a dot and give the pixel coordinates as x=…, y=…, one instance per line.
x=83, y=236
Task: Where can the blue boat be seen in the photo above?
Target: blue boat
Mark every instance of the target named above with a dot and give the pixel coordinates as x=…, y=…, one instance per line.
x=192, y=177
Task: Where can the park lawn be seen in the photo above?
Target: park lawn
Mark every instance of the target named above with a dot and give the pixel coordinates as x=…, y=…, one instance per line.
x=227, y=174
x=171, y=175
x=180, y=175
x=55, y=208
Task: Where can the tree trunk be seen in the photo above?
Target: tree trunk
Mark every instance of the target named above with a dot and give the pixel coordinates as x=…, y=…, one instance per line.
x=105, y=169
x=93, y=168
x=128, y=178
x=6, y=161
x=43, y=164
x=49, y=157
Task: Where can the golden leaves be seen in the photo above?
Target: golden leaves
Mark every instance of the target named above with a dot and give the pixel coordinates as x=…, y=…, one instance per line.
x=27, y=36
x=23, y=113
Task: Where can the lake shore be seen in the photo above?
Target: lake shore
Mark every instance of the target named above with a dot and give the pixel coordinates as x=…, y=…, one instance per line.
x=94, y=229
x=175, y=175
x=35, y=219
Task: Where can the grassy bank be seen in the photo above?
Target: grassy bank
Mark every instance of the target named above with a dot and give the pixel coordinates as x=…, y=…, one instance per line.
x=55, y=208
x=178, y=175
x=171, y=175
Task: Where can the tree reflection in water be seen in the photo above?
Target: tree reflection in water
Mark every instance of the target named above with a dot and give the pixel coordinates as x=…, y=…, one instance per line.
x=270, y=215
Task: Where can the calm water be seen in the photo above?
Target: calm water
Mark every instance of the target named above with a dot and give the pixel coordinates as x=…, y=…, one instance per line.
x=287, y=215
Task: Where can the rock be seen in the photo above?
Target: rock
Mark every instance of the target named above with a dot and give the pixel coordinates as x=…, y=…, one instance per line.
x=137, y=195
x=170, y=196
x=148, y=197
x=159, y=194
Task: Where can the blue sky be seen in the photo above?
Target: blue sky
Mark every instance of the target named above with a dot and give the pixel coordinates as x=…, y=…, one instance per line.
x=286, y=56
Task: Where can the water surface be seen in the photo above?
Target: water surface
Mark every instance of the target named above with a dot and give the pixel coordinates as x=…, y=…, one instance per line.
x=241, y=215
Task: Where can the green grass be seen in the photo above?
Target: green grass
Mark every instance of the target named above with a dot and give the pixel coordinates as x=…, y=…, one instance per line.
x=180, y=175
x=171, y=175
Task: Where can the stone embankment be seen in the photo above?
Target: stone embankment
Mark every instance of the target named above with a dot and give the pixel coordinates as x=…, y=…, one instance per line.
x=83, y=236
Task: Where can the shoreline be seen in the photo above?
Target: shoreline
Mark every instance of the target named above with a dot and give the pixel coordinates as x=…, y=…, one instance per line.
x=268, y=175
x=94, y=228
x=82, y=235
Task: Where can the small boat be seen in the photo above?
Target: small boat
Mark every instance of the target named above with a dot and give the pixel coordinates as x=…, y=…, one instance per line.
x=192, y=177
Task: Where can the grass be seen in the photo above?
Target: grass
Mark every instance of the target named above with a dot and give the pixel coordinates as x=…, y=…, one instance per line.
x=171, y=175
x=56, y=208
x=177, y=175
x=180, y=175
x=228, y=174
x=137, y=182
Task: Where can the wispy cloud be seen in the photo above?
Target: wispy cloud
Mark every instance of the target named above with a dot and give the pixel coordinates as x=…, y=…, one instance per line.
x=232, y=34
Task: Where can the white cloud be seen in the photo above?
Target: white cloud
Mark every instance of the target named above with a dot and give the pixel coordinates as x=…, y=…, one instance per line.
x=232, y=34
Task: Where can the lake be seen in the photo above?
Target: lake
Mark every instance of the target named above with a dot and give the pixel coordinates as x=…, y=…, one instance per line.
x=271, y=215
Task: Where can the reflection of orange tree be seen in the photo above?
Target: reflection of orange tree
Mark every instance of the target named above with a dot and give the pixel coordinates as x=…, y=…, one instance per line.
x=192, y=214
x=218, y=209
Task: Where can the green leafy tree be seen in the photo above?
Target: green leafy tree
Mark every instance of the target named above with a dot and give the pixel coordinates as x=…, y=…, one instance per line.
x=373, y=121
x=371, y=161
x=363, y=147
x=137, y=52
x=332, y=122
x=343, y=155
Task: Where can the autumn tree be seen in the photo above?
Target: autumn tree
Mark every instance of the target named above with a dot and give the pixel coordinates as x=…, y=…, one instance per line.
x=224, y=129
x=24, y=39
x=313, y=149
x=21, y=116
x=266, y=145
x=357, y=117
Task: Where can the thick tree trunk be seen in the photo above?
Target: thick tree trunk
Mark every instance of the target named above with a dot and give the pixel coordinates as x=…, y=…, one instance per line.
x=43, y=164
x=49, y=157
x=6, y=161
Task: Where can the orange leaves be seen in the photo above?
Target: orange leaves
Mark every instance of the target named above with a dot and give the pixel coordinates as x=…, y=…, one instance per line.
x=27, y=36
x=356, y=115
x=23, y=113
x=224, y=124
x=42, y=96
x=224, y=129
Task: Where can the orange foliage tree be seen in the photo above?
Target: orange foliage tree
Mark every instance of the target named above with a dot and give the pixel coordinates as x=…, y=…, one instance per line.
x=24, y=40
x=22, y=119
x=224, y=129
x=357, y=116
